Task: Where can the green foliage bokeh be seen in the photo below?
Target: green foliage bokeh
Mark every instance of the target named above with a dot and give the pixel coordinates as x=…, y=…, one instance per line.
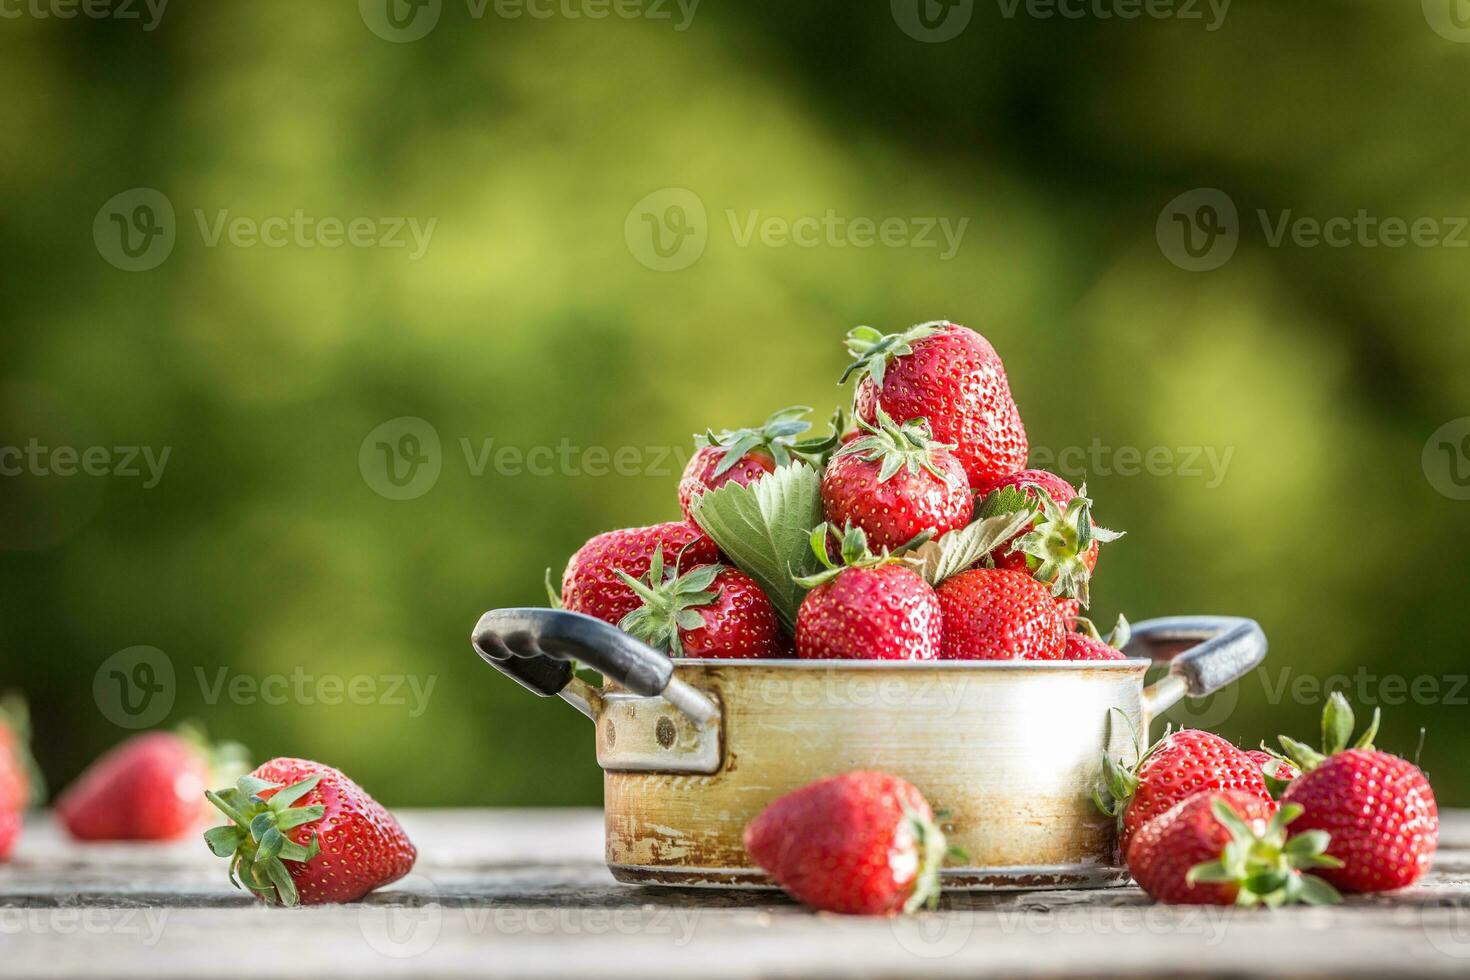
x=528, y=321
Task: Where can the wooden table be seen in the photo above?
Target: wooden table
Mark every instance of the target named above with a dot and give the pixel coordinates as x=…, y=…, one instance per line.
x=523, y=893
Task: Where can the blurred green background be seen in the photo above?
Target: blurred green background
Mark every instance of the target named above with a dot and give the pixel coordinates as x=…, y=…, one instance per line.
x=541, y=315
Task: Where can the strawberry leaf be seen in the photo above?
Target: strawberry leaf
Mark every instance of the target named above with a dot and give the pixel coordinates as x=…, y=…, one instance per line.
x=956, y=551
x=765, y=529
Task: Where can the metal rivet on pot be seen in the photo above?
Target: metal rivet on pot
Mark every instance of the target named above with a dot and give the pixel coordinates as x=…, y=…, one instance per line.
x=664, y=731
x=610, y=733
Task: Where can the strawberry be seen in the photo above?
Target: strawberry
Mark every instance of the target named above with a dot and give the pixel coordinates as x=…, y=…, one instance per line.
x=21, y=785
x=862, y=843
x=896, y=483
x=1174, y=768
x=1061, y=547
x=149, y=787
x=868, y=608
x=950, y=376
x=1379, y=808
x=745, y=455
x=12, y=800
x=1229, y=848
x=302, y=833
x=1087, y=644
x=709, y=611
x=995, y=614
x=591, y=583
x=1279, y=772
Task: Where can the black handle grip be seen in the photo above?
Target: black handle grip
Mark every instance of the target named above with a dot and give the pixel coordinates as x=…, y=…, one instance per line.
x=535, y=647
x=1206, y=652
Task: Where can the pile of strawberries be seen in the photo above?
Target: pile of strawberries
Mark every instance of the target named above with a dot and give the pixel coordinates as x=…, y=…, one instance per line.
x=933, y=540
x=300, y=833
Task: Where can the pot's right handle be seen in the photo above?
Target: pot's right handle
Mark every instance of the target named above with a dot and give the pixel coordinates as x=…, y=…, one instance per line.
x=535, y=648
x=1204, y=653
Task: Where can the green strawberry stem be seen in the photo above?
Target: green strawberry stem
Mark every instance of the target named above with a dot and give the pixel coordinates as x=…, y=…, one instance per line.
x=1338, y=723
x=669, y=602
x=1056, y=546
x=872, y=350
x=777, y=437
x=1267, y=866
x=853, y=552
x=896, y=447
x=933, y=849
x=255, y=840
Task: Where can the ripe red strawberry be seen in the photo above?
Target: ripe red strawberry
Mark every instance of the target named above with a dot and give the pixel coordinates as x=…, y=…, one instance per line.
x=862, y=843
x=1228, y=848
x=12, y=800
x=951, y=376
x=1174, y=768
x=711, y=611
x=995, y=614
x=868, y=608
x=149, y=787
x=1278, y=772
x=591, y=583
x=1379, y=808
x=1085, y=643
x=896, y=483
x=1061, y=547
x=745, y=455
x=304, y=834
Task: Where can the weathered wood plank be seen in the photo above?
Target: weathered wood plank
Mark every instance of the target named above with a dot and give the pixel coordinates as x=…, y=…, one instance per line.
x=524, y=893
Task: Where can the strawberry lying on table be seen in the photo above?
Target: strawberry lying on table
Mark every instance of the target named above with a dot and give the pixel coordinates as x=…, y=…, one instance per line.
x=302, y=833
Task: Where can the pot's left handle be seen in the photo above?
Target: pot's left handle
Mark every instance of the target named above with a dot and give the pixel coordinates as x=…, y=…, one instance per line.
x=536, y=647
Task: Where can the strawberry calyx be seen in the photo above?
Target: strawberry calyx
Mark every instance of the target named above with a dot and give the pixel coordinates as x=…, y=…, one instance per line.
x=1056, y=547
x=669, y=602
x=872, y=349
x=1266, y=865
x=932, y=849
x=1118, y=638
x=15, y=715
x=1119, y=780
x=255, y=840
x=853, y=552
x=909, y=446
x=1338, y=723
x=776, y=437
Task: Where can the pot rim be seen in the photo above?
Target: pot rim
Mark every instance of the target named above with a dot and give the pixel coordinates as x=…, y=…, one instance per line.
x=791, y=663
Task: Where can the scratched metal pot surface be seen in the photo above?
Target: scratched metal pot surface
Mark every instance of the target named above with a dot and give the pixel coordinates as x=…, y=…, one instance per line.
x=693, y=749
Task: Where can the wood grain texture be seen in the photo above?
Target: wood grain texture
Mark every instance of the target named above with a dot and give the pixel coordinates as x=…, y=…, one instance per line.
x=525, y=894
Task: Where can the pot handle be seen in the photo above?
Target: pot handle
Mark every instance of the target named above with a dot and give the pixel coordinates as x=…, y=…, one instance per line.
x=536, y=647
x=1204, y=653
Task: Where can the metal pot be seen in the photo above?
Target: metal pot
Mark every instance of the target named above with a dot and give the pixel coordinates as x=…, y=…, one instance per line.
x=693, y=749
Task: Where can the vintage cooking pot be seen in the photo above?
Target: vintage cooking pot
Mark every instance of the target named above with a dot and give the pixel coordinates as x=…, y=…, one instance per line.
x=691, y=750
